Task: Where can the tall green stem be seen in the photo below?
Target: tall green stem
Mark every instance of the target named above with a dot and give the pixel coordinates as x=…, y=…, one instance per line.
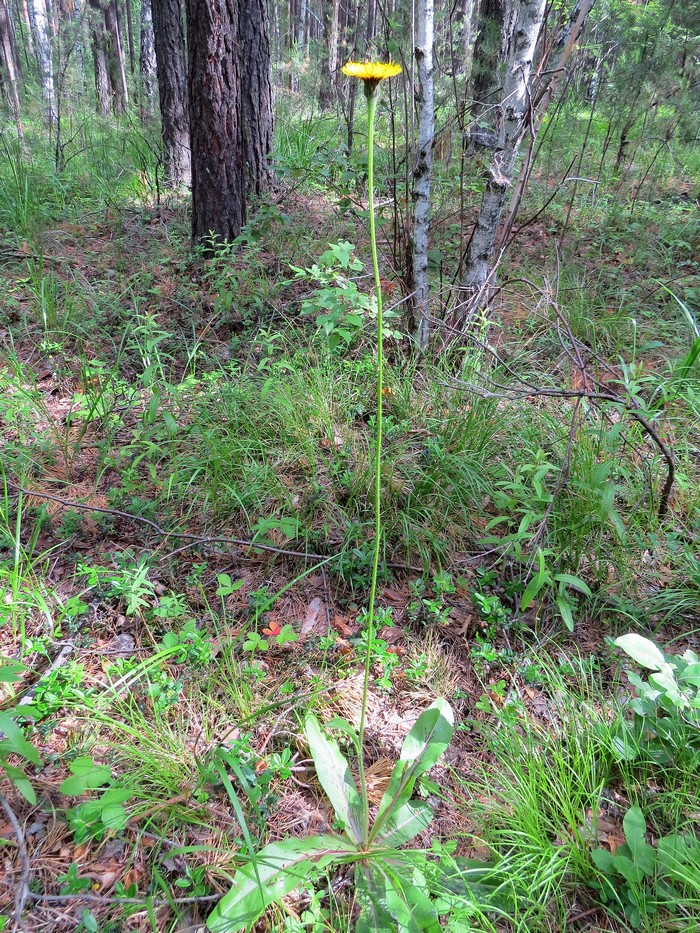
x=372, y=94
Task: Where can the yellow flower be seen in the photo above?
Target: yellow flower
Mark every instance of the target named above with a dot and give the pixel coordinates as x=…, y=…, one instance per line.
x=371, y=73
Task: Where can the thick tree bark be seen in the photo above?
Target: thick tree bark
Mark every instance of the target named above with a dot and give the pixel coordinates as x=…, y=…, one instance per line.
x=422, y=172
x=218, y=171
x=329, y=63
x=147, y=55
x=42, y=39
x=520, y=34
x=172, y=89
x=256, y=90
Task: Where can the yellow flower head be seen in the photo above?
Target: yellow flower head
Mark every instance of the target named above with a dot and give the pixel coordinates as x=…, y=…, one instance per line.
x=371, y=72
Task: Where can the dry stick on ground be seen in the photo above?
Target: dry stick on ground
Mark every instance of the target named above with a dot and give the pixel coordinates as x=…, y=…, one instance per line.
x=193, y=540
x=22, y=889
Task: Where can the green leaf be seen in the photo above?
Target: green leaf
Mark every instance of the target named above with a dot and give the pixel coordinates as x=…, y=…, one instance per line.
x=574, y=582
x=20, y=780
x=334, y=774
x=86, y=776
x=11, y=671
x=642, y=650
x=603, y=859
x=424, y=744
x=635, y=827
x=371, y=891
x=405, y=823
x=272, y=874
x=15, y=740
x=565, y=612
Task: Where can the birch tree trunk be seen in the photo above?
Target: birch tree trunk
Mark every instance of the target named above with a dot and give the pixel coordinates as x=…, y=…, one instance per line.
x=42, y=40
x=147, y=56
x=422, y=172
x=10, y=60
x=520, y=34
x=564, y=48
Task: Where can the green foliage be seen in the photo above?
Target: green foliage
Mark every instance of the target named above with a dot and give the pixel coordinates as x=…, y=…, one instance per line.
x=394, y=887
x=13, y=741
x=667, y=705
x=103, y=814
x=645, y=879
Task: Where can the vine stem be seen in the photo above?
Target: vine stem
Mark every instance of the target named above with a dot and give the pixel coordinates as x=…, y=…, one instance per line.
x=372, y=93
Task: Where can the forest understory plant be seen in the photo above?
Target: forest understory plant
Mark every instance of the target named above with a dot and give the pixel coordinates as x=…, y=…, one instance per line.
x=392, y=886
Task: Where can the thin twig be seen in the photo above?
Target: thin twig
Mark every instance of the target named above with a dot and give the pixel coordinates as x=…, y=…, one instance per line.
x=22, y=889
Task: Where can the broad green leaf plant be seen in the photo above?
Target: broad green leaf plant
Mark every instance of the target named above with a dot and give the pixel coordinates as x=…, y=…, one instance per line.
x=391, y=886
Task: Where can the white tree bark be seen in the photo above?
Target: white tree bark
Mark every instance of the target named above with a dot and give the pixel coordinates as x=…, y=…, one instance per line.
x=521, y=31
x=147, y=53
x=42, y=39
x=423, y=170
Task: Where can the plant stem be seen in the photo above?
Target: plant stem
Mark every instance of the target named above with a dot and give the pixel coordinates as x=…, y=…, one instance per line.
x=371, y=111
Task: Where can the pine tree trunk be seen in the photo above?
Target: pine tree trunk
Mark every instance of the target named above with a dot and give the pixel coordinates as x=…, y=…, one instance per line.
x=520, y=34
x=130, y=37
x=329, y=64
x=422, y=172
x=218, y=176
x=172, y=89
x=42, y=40
x=99, y=57
x=147, y=56
x=256, y=90
x=115, y=58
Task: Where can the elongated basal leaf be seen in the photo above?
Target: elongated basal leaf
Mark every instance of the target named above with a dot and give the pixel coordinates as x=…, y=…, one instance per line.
x=275, y=871
x=335, y=777
x=642, y=651
x=427, y=740
x=403, y=824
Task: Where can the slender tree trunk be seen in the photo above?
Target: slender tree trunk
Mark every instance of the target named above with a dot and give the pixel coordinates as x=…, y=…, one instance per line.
x=565, y=48
x=329, y=64
x=422, y=172
x=9, y=59
x=172, y=89
x=43, y=40
x=217, y=142
x=99, y=57
x=147, y=56
x=27, y=30
x=485, y=78
x=256, y=90
x=130, y=37
x=520, y=34
x=116, y=61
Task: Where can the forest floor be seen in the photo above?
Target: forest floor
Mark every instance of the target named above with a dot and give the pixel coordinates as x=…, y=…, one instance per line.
x=187, y=534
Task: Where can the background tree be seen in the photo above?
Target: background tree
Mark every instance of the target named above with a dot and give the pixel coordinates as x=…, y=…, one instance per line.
x=520, y=34
x=171, y=64
x=217, y=140
x=422, y=172
x=10, y=65
x=147, y=55
x=256, y=93
x=43, y=38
